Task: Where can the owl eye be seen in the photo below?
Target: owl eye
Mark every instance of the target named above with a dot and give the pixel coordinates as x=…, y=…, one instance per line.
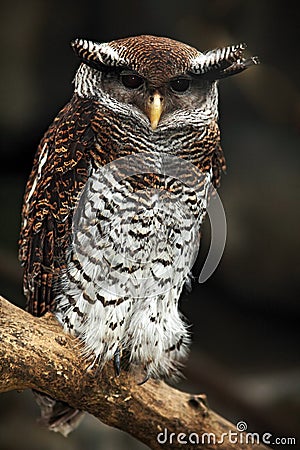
x=180, y=84
x=132, y=81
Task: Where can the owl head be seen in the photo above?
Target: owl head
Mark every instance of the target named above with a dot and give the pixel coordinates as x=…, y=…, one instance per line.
x=155, y=76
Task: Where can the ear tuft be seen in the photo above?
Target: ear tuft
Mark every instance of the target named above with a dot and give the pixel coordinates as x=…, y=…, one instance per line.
x=222, y=62
x=97, y=55
x=86, y=50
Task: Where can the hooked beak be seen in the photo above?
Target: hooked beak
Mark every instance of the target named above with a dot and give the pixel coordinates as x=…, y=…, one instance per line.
x=154, y=108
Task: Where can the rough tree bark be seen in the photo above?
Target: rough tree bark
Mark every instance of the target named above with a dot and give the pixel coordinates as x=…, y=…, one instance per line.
x=35, y=353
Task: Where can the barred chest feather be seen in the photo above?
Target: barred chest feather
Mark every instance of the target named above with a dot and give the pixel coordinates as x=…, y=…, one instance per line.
x=135, y=237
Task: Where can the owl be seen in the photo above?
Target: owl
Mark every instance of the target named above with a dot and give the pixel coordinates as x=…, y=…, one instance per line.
x=116, y=197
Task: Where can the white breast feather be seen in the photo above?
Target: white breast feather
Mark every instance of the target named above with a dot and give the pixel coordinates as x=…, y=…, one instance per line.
x=130, y=255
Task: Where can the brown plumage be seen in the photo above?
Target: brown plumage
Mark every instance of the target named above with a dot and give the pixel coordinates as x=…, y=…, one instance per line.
x=49, y=199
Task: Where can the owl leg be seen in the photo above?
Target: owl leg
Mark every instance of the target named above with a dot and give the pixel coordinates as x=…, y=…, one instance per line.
x=117, y=362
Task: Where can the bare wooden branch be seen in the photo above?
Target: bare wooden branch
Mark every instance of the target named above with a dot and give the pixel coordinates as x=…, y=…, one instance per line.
x=35, y=353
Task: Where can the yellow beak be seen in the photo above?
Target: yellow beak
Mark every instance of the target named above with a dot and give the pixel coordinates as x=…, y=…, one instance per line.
x=154, y=108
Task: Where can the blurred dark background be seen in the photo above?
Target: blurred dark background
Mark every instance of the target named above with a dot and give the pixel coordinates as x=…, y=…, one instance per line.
x=245, y=318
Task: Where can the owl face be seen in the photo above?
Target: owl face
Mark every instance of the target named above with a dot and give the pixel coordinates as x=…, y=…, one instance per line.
x=155, y=78
x=156, y=101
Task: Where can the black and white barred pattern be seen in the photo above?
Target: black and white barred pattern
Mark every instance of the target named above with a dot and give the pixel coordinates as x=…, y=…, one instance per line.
x=132, y=250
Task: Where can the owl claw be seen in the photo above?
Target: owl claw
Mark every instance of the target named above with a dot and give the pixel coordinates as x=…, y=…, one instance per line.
x=143, y=381
x=117, y=364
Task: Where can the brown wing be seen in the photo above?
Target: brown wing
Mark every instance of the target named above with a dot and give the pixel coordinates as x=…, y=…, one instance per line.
x=218, y=165
x=60, y=170
x=208, y=155
x=213, y=157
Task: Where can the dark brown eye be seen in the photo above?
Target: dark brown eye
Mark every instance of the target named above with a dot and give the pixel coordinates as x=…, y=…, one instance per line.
x=132, y=81
x=180, y=84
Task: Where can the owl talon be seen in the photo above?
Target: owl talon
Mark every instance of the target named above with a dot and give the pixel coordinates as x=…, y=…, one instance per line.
x=143, y=381
x=117, y=362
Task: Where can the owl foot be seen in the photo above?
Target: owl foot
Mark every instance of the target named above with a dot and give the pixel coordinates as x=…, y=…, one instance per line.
x=117, y=362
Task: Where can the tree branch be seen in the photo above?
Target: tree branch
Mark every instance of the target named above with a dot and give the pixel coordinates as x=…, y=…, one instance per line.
x=35, y=353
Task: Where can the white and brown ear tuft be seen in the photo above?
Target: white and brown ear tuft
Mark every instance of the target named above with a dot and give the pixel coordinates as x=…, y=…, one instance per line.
x=96, y=54
x=222, y=62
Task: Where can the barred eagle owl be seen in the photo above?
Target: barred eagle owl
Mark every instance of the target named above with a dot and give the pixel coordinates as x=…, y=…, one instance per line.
x=116, y=198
